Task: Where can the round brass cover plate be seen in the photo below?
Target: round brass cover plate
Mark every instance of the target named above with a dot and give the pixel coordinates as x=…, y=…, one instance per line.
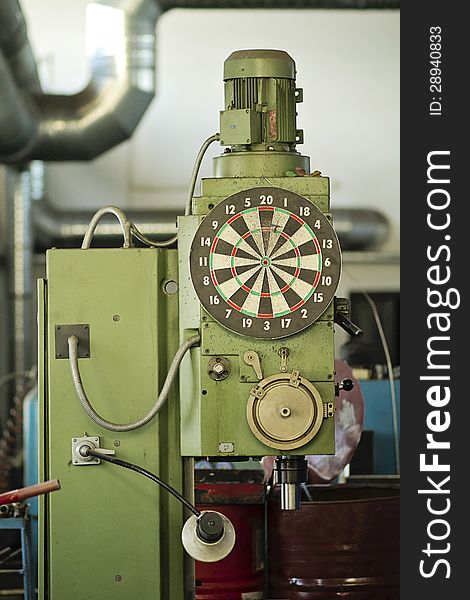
x=284, y=412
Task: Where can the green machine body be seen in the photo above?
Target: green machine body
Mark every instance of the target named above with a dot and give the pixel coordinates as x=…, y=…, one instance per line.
x=253, y=279
x=259, y=265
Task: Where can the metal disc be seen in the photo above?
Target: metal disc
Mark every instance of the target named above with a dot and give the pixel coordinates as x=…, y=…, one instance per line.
x=203, y=551
x=282, y=415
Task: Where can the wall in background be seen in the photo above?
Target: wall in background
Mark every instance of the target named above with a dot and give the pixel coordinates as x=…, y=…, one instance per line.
x=348, y=65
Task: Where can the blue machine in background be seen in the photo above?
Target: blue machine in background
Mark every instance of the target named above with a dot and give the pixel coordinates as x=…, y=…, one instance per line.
x=379, y=419
x=30, y=461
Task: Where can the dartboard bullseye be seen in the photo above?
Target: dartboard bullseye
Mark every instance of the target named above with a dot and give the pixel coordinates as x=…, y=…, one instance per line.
x=265, y=263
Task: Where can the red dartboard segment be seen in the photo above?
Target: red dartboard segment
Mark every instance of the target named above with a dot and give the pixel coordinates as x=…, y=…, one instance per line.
x=298, y=305
x=214, y=278
x=232, y=219
x=233, y=305
x=265, y=262
x=297, y=218
x=317, y=279
x=214, y=244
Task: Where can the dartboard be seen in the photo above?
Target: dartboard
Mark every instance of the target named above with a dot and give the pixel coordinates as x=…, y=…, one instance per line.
x=265, y=263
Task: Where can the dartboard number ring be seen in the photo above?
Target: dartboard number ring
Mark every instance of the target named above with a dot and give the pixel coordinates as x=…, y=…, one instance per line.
x=265, y=262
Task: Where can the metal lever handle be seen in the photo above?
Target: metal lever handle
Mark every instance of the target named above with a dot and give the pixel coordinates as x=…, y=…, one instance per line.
x=348, y=326
x=346, y=385
x=104, y=451
x=251, y=358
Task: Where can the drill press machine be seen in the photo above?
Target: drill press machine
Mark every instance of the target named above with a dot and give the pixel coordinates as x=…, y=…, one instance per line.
x=244, y=307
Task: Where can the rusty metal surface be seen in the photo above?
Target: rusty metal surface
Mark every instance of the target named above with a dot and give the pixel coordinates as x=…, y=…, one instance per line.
x=229, y=486
x=228, y=475
x=230, y=493
x=344, y=544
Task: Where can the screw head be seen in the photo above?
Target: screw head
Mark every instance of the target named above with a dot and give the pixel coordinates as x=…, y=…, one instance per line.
x=170, y=287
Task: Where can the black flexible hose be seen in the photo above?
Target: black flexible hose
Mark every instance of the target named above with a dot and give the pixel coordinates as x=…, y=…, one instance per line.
x=149, y=475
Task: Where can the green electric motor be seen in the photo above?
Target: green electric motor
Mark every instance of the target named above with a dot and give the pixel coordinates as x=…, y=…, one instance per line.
x=260, y=99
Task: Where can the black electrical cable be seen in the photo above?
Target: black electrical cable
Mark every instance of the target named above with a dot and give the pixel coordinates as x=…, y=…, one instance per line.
x=149, y=475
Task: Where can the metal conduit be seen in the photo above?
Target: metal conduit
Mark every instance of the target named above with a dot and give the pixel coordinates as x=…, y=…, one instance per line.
x=14, y=45
x=84, y=125
x=19, y=261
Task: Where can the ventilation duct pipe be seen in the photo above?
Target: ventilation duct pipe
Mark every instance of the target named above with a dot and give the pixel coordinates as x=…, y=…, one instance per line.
x=66, y=229
x=357, y=228
x=121, y=44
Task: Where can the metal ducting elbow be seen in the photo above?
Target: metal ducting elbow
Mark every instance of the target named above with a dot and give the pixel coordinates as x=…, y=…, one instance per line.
x=121, y=46
x=121, y=36
x=107, y=111
x=19, y=119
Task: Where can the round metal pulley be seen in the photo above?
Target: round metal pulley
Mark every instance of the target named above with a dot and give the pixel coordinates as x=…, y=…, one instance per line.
x=285, y=411
x=204, y=551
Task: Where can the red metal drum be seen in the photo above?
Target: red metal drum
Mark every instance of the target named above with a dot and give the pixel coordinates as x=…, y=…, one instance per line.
x=239, y=576
x=344, y=544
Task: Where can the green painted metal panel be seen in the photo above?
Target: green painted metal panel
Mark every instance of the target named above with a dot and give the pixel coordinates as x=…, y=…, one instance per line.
x=110, y=533
x=42, y=427
x=316, y=189
x=315, y=365
x=305, y=186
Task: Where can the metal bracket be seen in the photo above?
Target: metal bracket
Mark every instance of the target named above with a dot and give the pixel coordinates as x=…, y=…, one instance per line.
x=299, y=136
x=62, y=334
x=328, y=410
x=226, y=447
x=283, y=353
x=295, y=379
x=257, y=391
x=93, y=443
